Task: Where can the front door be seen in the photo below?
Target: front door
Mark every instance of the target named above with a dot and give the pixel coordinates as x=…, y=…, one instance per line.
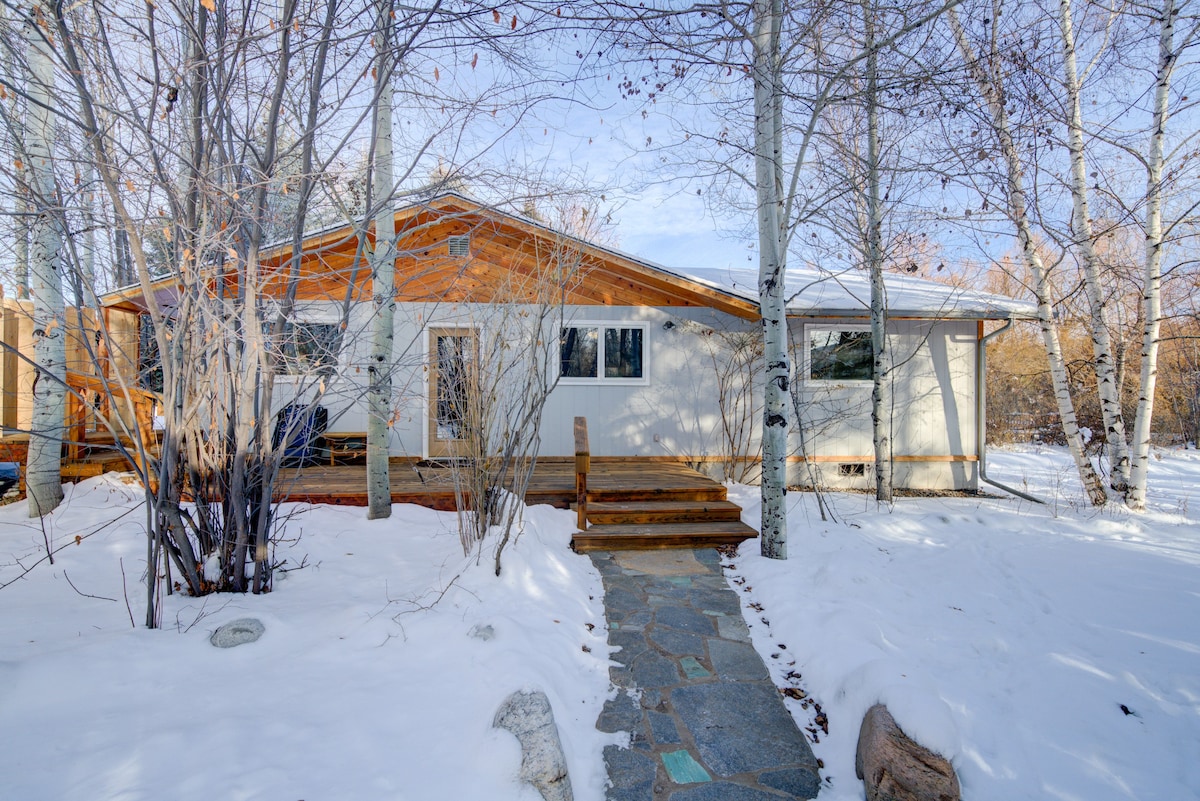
x=452, y=352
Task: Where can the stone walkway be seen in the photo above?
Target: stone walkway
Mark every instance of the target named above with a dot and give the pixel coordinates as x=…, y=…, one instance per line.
x=707, y=722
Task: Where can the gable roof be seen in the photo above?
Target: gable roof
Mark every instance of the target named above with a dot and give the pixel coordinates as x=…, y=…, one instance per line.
x=847, y=294
x=333, y=266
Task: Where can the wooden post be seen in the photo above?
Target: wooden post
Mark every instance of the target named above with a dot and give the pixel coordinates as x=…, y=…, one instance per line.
x=583, y=463
x=76, y=422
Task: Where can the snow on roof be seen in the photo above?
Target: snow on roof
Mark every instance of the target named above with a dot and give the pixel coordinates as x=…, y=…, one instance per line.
x=821, y=293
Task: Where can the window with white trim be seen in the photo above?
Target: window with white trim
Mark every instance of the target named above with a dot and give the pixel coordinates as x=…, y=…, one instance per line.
x=839, y=354
x=597, y=352
x=306, y=347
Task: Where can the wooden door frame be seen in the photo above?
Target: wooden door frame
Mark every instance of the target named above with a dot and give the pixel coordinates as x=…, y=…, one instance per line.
x=438, y=448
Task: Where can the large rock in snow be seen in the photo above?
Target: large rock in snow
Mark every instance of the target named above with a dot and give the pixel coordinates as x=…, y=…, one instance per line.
x=894, y=768
x=237, y=632
x=528, y=715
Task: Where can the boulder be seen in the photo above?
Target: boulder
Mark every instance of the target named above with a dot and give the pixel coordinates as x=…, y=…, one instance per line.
x=894, y=768
x=528, y=716
x=237, y=632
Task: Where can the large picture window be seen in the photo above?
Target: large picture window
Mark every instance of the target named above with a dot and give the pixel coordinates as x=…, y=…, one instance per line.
x=598, y=352
x=308, y=347
x=839, y=354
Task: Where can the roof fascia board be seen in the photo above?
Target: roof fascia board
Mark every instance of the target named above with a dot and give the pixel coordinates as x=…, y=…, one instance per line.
x=902, y=314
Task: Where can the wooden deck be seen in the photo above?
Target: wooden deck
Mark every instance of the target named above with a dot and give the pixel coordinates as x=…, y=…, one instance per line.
x=631, y=503
x=427, y=484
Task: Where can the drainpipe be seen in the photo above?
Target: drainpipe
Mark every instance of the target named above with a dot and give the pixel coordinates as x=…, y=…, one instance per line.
x=981, y=412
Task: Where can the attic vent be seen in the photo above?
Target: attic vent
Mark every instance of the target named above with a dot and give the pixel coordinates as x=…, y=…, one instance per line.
x=460, y=245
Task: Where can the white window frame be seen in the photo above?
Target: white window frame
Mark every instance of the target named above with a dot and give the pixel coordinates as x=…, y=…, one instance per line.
x=806, y=344
x=305, y=314
x=599, y=379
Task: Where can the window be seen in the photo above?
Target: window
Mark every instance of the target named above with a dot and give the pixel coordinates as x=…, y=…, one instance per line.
x=839, y=354
x=150, y=370
x=603, y=353
x=307, y=347
x=459, y=245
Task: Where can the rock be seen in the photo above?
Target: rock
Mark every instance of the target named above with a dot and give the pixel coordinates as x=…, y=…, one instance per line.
x=482, y=632
x=528, y=716
x=894, y=768
x=237, y=632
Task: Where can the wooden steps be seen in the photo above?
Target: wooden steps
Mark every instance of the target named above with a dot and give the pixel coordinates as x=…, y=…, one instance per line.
x=649, y=536
x=662, y=512
x=618, y=525
x=629, y=504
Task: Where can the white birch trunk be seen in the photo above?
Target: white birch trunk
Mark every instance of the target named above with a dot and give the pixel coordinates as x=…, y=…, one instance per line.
x=990, y=89
x=20, y=215
x=881, y=419
x=1107, y=385
x=383, y=280
x=43, y=472
x=771, y=266
x=21, y=246
x=1151, y=298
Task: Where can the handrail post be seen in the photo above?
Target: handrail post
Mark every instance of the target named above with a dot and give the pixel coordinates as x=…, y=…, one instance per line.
x=583, y=463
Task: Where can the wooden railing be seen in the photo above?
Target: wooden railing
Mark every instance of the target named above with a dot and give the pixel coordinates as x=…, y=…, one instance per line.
x=583, y=463
x=91, y=399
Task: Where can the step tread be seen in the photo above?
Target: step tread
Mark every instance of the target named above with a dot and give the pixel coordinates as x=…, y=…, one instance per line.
x=654, y=536
x=647, y=494
x=608, y=506
x=663, y=512
x=705, y=527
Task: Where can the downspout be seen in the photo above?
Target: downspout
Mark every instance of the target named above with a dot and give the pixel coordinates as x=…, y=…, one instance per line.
x=981, y=412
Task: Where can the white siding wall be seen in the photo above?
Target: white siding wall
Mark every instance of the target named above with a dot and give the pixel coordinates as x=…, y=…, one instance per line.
x=676, y=412
x=933, y=408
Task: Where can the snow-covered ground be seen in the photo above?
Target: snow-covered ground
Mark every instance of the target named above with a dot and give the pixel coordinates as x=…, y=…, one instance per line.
x=368, y=683
x=1052, y=652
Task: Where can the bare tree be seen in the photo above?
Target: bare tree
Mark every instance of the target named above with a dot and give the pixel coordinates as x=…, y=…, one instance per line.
x=1084, y=238
x=1171, y=45
x=1079, y=201
x=495, y=374
x=383, y=278
x=796, y=65
x=987, y=73
x=43, y=465
x=13, y=116
x=233, y=135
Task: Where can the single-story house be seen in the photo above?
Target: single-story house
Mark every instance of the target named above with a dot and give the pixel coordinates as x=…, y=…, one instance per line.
x=659, y=361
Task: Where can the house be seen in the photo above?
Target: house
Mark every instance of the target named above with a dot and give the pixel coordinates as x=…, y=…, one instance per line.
x=660, y=362
x=101, y=377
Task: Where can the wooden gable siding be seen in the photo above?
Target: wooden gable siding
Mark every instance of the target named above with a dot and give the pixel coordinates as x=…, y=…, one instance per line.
x=506, y=252
x=506, y=257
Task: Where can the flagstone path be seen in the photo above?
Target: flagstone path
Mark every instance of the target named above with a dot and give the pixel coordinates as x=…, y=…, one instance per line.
x=706, y=721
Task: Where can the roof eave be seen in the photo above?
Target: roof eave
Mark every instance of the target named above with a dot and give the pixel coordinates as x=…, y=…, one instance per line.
x=915, y=314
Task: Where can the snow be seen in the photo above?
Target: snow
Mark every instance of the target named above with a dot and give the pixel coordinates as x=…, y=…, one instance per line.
x=811, y=292
x=367, y=683
x=1007, y=635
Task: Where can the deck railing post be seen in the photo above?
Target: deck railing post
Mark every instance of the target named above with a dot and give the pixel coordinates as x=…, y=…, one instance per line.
x=583, y=463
